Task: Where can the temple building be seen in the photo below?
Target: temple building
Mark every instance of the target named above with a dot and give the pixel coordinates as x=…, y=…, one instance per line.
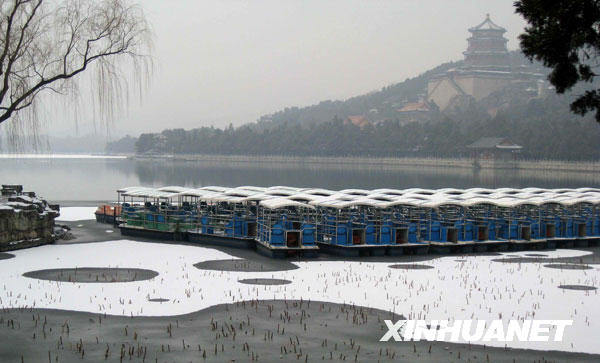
x=487, y=48
x=486, y=69
x=495, y=149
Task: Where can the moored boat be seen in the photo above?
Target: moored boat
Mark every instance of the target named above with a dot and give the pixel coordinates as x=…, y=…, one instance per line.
x=282, y=221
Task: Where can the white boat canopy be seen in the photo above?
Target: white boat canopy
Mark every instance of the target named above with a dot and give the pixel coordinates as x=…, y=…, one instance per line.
x=278, y=196
x=279, y=203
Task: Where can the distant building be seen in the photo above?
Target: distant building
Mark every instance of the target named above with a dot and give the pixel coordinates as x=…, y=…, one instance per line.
x=494, y=148
x=486, y=69
x=413, y=112
x=414, y=107
x=357, y=120
x=487, y=49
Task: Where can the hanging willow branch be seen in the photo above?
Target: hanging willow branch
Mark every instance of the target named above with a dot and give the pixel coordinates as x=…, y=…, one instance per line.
x=46, y=44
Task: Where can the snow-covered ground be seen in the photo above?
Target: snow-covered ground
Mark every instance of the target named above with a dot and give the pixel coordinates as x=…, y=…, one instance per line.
x=60, y=156
x=477, y=288
x=70, y=214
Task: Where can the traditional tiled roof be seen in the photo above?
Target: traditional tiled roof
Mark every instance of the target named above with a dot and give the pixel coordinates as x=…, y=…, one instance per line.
x=492, y=143
x=488, y=24
x=415, y=107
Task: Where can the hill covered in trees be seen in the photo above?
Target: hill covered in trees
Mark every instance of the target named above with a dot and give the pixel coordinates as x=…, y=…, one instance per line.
x=550, y=132
x=378, y=105
x=542, y=124
x=383, y=104
x=125, y=145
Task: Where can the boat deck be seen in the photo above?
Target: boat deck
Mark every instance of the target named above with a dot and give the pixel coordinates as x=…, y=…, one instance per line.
x=460, y=247
x=284, y=251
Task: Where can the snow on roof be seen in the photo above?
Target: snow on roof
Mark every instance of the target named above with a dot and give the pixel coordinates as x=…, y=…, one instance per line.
x=511, y=202
x=451, y=191
x=173, y=189
x=195, y=193
x=241, y=192
x=480, y=191
x=150, y=193
x=280, y=192
x=493, y=142
x=405, y=201
x=378, y=198
x=319, y=191
x=214, y=188
x=381, y=197
x=478, y=201
x=487, y=24
x=584, y=190
x=278, y=203
x=436, y=203
x=213, y=197
x=418, y=196
x=356, y=192
x=258, y=197
x=369, y=202
x=130, y=189
x=341, y=204
x=583, y=200
x=282, y=187
x=306, y=197
x=389, y=191
x=252, y=188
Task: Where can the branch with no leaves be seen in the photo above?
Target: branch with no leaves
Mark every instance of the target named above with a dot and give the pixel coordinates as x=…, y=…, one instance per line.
x=45, y=45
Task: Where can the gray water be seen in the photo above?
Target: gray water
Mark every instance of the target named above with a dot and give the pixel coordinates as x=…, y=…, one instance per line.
x=85, y=179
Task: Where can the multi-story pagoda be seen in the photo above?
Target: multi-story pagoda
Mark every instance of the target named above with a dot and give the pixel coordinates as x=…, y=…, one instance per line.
x=487, y=47
x=486, y=69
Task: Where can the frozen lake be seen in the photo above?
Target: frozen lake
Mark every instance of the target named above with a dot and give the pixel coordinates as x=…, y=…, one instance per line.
x=94, y=178
x=475, y=287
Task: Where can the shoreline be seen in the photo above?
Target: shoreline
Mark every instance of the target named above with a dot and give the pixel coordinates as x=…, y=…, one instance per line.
x=464, y=163
x=582, y=166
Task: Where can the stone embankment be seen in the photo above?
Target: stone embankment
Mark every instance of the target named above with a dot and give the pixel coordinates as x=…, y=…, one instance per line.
x=390, y=162
x=25, y=220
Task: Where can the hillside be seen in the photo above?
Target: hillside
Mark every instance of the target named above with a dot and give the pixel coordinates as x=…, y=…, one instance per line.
x=540, y=121
x=376, y=105
x=550, y=132
x=382, y=105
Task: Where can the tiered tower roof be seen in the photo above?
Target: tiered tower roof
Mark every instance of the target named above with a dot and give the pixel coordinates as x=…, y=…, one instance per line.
x=487, y=49
x=487, y=24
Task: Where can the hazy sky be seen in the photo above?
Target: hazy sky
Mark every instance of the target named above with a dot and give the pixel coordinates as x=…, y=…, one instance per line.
x=222, y=61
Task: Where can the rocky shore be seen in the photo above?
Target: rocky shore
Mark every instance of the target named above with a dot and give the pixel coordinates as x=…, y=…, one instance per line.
x=25, y=219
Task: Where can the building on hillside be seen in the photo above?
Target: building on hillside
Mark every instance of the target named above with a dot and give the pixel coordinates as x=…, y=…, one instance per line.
x=486, y=69
x=357, y=120
x=494, y=149
x=414, y=107
x=413, y=112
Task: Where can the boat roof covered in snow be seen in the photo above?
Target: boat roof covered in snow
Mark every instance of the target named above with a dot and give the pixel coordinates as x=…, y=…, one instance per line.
x=279, y=196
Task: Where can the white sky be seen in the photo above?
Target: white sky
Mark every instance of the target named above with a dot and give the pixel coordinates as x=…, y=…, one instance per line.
x=222, y=61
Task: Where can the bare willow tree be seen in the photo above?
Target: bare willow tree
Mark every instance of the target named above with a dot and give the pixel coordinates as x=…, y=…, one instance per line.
x=45, y=46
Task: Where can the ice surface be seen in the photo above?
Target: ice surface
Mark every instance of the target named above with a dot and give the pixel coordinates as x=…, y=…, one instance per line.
x=70, y=214
x=477, y=288
x=60, y=156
